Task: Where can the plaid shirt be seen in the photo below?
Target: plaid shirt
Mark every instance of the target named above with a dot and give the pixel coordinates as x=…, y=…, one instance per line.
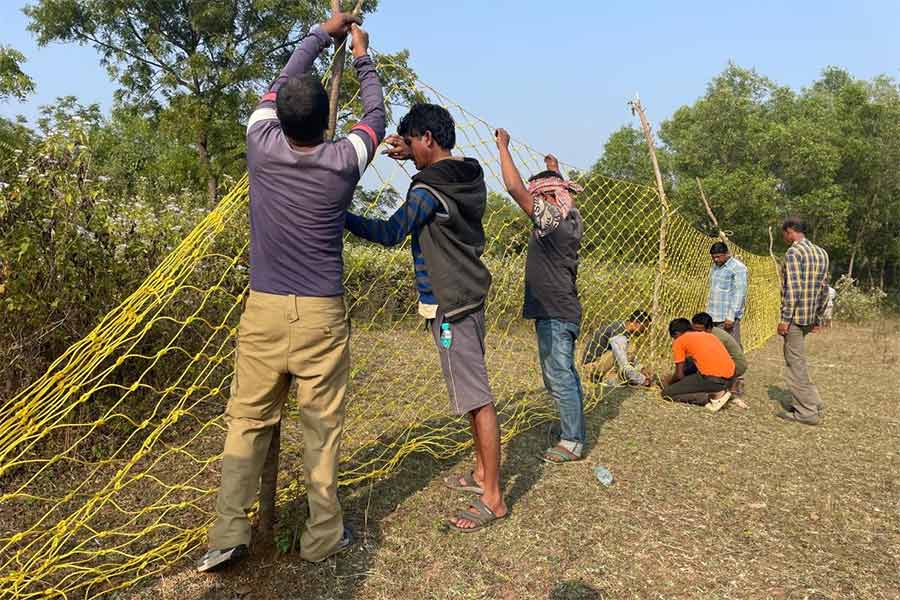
x=804, y=289
x=727, y=291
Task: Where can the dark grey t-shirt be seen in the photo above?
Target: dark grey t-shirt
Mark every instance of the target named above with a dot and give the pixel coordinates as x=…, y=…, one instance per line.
x=599, y=342
x=551, y=270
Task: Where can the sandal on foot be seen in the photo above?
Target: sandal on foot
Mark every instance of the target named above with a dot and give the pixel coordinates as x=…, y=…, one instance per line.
x=559, y=454
x=482, y=519
x=469, y=484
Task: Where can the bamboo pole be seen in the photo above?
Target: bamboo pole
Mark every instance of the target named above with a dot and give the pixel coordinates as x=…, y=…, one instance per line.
x=712, y=216
x=268, y=487
x=337, y=73
x=638, y=109
x=772, y=252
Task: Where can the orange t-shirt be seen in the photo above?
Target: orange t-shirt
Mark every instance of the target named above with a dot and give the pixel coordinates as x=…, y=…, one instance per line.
x=708, y=353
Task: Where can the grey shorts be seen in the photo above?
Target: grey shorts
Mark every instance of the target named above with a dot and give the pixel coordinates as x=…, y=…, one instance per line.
x=463, y=363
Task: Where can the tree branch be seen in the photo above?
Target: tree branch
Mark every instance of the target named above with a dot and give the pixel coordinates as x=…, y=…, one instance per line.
x=90, y=38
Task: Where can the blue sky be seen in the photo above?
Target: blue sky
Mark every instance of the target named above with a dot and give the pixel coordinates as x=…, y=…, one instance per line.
x=560, y=77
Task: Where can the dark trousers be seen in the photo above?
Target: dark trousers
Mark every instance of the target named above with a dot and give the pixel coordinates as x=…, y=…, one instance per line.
x=695, y=388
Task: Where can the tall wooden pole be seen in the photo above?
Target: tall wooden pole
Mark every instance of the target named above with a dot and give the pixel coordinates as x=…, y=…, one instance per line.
x=268, y=487
x=772, y=252
x=638, y=109
x=337, y=73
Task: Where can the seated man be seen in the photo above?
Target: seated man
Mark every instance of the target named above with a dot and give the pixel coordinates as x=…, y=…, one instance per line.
x=704, y=322
x=715, y=369
x=609, y=349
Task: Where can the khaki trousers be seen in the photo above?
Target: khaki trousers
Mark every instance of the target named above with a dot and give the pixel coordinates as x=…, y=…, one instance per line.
x=280, y=339
x=806, y=401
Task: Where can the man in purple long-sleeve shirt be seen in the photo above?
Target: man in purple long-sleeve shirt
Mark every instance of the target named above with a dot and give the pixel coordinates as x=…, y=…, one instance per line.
x=295, y=325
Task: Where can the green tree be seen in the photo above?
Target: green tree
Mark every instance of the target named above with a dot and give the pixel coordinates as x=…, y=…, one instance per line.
x=723, y=139
x=375, y=203
x=195, y=66
x=15, y=138
x=13, y=81
x=506, y=227
x=762, y=151
x=626, y=156
x=74, y=240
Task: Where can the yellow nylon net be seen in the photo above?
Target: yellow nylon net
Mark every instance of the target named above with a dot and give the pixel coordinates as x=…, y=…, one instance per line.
x=109, y=462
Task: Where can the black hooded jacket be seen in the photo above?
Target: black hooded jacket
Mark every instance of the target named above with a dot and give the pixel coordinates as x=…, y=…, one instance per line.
x=452, y=242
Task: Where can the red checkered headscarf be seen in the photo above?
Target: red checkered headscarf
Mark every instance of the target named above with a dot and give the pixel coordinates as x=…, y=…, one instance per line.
x=555, y=190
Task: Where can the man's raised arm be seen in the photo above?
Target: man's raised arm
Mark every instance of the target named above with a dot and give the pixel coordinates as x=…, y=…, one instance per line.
x=370, y=129
x=512, y=179
x=306, y=52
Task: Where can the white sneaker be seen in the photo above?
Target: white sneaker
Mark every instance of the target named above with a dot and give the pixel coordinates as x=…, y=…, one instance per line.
x=716, y=404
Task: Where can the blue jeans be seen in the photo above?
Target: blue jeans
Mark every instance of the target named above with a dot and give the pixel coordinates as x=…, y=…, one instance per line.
x=556, y=348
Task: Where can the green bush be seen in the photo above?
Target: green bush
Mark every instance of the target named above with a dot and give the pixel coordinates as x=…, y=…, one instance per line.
x=72, y=246
x=855, y=304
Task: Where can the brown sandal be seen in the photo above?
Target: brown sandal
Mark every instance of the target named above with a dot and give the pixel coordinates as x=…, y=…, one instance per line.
x=483, y=518
x=469, y=484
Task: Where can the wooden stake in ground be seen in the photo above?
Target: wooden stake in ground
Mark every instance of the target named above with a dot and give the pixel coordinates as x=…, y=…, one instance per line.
x=638, y=109
x=268, y=487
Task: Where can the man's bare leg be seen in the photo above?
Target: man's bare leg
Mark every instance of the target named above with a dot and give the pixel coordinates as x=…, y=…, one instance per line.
x=478, y=471
x=486, y=432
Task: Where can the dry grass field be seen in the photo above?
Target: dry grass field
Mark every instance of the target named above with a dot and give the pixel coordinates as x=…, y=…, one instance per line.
x=737, y=504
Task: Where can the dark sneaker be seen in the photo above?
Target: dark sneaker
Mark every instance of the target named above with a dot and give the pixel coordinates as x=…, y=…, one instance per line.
x=792, y=416
x=345, y=542
x=216, y=559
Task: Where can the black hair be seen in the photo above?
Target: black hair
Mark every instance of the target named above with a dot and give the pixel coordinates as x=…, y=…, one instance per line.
x=719, y=248
x=677, y=326
x=640, y=316
x=702, y=318
x=302, y=108
x=795, y=223
x=545, y=175
x=424, y=117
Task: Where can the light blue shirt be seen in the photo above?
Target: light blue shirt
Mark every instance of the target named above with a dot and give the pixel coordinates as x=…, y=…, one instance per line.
x=727, y=291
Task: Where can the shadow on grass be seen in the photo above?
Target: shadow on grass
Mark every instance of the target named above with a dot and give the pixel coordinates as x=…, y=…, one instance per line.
x=575, y=590
x=780, y=397
x=368, y=504
x=609, y=406
x=523, y=453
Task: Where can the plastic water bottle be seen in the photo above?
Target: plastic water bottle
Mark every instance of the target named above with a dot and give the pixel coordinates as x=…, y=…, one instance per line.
x=604, y=475
x=446, y=335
